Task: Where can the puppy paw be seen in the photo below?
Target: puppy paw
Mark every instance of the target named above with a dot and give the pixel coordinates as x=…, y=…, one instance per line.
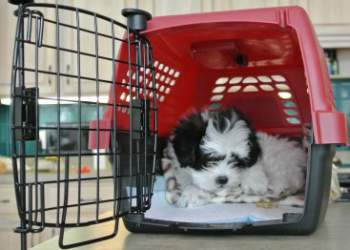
x=172, y=197
x=228, y=196
x=254, y=182
x=255, y=188
x=232, y=199
x=192, y=197
x=278, y=191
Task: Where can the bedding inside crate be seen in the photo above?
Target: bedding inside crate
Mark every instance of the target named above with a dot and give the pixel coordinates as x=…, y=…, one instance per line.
x=213, y=213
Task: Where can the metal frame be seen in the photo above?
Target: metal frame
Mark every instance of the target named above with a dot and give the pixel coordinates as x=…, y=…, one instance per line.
x=132, y=169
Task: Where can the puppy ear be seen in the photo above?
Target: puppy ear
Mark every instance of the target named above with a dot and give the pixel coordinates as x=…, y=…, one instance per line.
x=187, y=137
x=253, y=154
x=254, y=150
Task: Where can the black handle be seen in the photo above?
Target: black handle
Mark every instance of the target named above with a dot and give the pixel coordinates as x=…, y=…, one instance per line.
x=18, y=2
x=136, y=18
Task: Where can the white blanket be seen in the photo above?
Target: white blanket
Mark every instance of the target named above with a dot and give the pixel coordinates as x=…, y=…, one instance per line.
x=212, y=213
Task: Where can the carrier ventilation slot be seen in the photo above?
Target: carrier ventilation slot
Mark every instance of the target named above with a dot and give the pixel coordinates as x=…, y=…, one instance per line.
x=275, y=84
x=165, y=76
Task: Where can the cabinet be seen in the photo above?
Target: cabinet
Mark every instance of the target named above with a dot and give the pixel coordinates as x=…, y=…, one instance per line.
x=7, y=31
x=331, y=20
x=88, y=42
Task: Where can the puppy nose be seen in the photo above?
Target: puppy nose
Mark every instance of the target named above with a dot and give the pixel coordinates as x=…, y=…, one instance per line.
x=222, y=180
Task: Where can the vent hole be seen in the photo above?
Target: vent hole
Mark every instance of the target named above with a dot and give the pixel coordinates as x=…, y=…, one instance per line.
x=234, y=89
x=241, y=60
x=278, y=78
x=221, y=80
x=289, y=104
x=285, y=95
x=291, y=112
x=266, y=87
x=282, y=86
x=250, y=88
x=216, y=98
x=250, y=79
x=264, y=79
x=293, y=120
x=235, y=80
x=219, y=89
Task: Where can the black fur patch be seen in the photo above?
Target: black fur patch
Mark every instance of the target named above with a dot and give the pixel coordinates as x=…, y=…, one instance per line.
x=220, y=118
x=190, y=131
x=253, y=155
x=208, y=160
x=187, y=137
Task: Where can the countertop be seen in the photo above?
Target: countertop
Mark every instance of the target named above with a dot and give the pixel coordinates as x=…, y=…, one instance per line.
x=333, y=234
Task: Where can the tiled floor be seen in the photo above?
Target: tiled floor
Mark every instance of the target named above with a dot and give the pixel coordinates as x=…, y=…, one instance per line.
x=333, y=234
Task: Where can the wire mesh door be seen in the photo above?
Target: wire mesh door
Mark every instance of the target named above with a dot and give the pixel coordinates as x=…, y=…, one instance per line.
x=64, y=97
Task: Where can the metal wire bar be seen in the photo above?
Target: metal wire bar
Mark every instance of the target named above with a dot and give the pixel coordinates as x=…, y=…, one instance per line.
x=128, y=134
x=131, y=115
x=22, y=149
x=36, y=59
x=58, y=89
x=98, y=117
x=115, y=167
x=79, y=112
x=76, y=52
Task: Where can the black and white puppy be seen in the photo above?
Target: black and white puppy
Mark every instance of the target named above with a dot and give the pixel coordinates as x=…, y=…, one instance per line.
x=215, y=156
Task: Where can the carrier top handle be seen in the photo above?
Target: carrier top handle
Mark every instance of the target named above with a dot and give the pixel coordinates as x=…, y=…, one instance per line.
x=137, y=19
x=18, y=2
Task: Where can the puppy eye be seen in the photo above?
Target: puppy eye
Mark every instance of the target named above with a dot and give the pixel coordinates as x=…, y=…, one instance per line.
x=234, y=163
x=209, y=163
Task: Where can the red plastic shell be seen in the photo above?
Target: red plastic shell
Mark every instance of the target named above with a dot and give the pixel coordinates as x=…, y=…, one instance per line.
x=265, y=62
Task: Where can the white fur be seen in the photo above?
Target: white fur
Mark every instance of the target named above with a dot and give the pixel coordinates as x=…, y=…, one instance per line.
x=284, y=164
x=227, y=141
x=279, y=172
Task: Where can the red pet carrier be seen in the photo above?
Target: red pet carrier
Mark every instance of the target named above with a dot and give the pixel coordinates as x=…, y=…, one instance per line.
x=265, y=62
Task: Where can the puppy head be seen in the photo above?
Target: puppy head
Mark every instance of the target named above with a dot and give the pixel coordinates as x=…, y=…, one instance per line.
x=215, y=147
